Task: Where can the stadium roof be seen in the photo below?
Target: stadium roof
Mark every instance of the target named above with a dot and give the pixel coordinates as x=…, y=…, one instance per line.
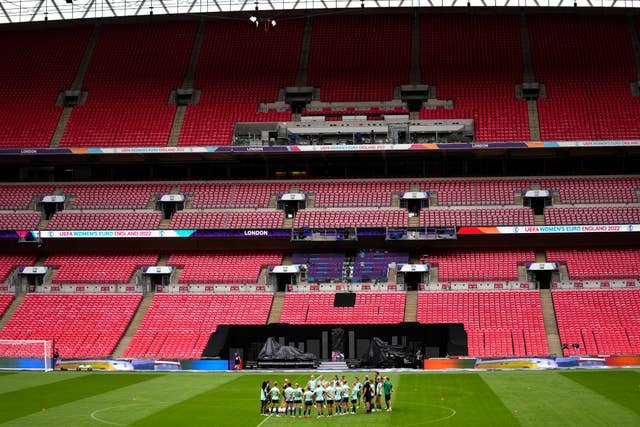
x=14, y=11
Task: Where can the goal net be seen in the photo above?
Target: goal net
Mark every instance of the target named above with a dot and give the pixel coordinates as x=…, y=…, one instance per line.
x=35, y=355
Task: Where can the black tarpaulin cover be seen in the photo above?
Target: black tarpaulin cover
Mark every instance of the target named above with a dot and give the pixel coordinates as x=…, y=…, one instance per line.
x=380, y=353
x=272, y=350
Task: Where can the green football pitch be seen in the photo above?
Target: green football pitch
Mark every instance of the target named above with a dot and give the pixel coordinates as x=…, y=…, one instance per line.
x=526, y=398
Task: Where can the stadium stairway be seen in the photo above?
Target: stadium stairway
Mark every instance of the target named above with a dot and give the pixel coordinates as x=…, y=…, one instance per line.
x=301, y=75
x=11, y=309
x=276, y=308
x=65, y=115
x=415, y=76
x=118, y=353
x=635, y=41
x=529, y=77
x=411, y=307
x=187, y=83
x=550, y=324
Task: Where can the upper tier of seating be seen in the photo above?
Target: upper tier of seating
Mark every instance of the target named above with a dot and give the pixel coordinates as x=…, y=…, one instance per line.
x=239, y=67
x=19, y=220
x=351, y=218
x=599, y=321
x=10, y=261
x=471, y=265
x=133, y=69
x=36, y=67
x=318, y=309
x=229, y=219
x=115, y=220
x=81, y=325
x=179, y=326
x=592, y=215
x=222, y=267
x=321, y=266
x=353, y=193
x=476, y=217
x=359, y=57
x=505, y=323
x=586, y=64
x=97, y=268
x=476, y=61
x=620, y=263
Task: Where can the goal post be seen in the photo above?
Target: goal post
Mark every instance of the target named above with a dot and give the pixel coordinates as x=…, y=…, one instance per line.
x=32, y=355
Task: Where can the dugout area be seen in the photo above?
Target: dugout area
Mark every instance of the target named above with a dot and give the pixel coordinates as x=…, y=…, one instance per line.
x=353, y=341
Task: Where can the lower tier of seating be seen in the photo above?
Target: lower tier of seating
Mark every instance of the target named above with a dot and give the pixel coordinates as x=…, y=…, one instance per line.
x=97, y=268
x=10, y=261
x=222, y=267
x=179, y=326
x=503, y=323
x=318, y=309
x=612, y=263
x=80, y=325
x=598, y=321
x=5, y=301
x=469, y=265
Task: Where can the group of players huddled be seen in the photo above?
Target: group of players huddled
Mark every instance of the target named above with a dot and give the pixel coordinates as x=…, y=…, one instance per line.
x=336, y=395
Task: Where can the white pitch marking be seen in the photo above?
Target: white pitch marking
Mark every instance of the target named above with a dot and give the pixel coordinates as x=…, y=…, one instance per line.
x=265, y=420
x=100, y=420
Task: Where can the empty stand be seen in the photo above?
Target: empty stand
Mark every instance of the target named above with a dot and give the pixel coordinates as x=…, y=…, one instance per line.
x=36, y=67
x=599, y=321
x=586, y=76
x=318, y=309
x=476, y=61
x=113, y=196
x=353, y=193
x=198, y=219
x=10, y=261
x=594, y=190
x=115, y=220
x=5, y=302
x=506, y=323
x=179, y=326
x=351, y=218
x=239, y=67
x=19, y=196
x=487, y=265
x=348, y=64
x=598, y=263
x=592, y=215
x=476, y=217
x=133, y=69
x=97, y=268
x=475, y=191
x=81, y=325
x=222, y=267
x=19, y=220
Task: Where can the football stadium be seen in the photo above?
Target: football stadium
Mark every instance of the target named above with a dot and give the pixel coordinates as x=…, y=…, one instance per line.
x=333, y=213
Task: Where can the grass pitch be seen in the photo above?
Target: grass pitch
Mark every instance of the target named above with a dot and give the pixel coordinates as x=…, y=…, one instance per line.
x=547, y=398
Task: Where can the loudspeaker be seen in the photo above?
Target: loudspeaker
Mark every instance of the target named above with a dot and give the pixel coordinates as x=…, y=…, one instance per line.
x=344, y=300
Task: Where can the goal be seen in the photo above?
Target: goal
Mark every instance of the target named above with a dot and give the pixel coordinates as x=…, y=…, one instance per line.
x=34, y=355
